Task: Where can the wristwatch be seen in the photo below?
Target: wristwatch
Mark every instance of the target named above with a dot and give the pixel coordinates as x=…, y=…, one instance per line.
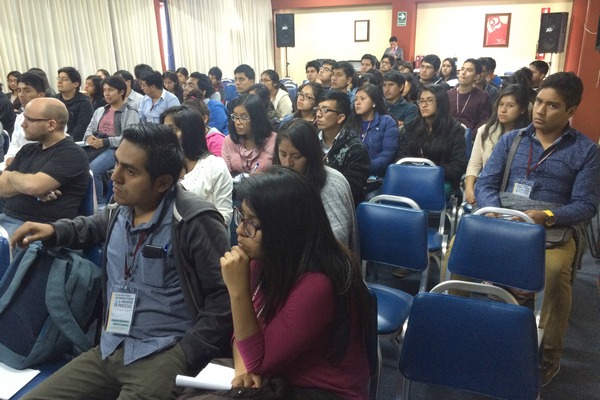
x=550, y=218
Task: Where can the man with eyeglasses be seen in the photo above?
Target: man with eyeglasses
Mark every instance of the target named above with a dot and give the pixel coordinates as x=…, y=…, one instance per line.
x=428, y=71
x=386, y=63
x=47, y=179
x=325, y=73
x=342, y=149
x=244, y=77
x=68, y=83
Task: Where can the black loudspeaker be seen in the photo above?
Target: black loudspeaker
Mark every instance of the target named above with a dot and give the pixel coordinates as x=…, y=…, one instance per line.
x=598, y=36
x=553, y=29
x=284, y=30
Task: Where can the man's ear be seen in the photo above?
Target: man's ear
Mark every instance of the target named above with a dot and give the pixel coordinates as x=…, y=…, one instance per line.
x=163, y=183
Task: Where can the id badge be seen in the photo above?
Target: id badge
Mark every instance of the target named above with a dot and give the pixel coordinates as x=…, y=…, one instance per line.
x=523, y=189
x=121, y=309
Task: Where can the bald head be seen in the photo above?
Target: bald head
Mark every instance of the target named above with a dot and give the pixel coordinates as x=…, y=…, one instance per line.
x=52, y=109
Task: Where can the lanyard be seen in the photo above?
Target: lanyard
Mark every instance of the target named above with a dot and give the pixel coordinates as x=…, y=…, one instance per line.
x=531, y=169
x=126, y=268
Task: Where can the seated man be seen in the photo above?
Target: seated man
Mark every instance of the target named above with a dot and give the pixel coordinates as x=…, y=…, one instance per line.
x=325, y=72
x=46, y=180
x=167, y=310
x=343, y=150
x=29, y=87
x=80, y=108
x=397, y=106
x=156, y=99
x=555, y=179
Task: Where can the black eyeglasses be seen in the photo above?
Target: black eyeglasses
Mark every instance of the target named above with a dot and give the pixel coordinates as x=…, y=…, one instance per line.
x=325, y=110
x=250, y=228
x=428, y=101
x=35, y=119
x=305, y=96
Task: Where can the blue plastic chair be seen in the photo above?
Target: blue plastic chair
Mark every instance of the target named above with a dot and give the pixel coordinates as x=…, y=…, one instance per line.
x=89, y=203
x=6, y=144
x=469, y=141
x=472, y=345
x=230, y=93
x=425, y=185
x=383, y=231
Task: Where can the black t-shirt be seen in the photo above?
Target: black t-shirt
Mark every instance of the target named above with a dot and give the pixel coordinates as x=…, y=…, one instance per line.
x=66, y=162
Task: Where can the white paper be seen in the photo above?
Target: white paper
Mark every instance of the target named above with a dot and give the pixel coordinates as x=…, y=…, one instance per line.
x=212, y=377
x=13, y=380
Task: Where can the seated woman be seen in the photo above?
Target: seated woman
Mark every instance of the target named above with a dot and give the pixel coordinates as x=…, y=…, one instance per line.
x=261, y=91
x=282, y=103
x=298, y=300
x=434, y=134
x=250, y=144
x=378, y=131
x=205, y=174
x=103, y=134
x=171, y=83
x=411, y=87
x=510, y=112
x=298, y=147
x=93, y=89
x=448, y=72
x=308, y=94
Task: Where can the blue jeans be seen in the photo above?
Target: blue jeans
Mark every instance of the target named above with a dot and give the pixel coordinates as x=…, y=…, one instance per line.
x=99, y=166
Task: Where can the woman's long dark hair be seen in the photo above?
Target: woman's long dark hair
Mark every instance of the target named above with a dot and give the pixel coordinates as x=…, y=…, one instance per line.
x=303, y=136
x=317, y=89
x=98, y=95
x=376, y=95
x=260, y=125
x=297, y=239
x=413, y=94
x=443, y=122
x=274, y=76
x=453, y=73
x=191, y=124
x=177, y=90
x=521, y=95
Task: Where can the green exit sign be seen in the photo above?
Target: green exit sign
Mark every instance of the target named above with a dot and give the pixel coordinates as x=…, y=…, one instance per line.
x=401, y=18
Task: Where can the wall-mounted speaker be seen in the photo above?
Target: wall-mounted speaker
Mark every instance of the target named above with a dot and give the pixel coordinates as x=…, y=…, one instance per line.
x=553, y=29
x=284, y=30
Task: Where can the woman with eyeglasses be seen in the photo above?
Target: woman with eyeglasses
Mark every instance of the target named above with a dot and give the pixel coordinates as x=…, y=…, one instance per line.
x=510, y=112
x=297, y=297
x=434, y=134
x=378, y=130
x=306, y=101
x=298, y=147
x=249, y=146
x=279, y=96
x=205, y=174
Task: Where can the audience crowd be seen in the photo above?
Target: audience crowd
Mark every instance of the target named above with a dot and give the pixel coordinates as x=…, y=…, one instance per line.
x=188, y=169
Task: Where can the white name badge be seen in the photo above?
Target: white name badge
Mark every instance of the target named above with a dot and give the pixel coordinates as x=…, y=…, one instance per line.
x=522, y=189
x=120, y=311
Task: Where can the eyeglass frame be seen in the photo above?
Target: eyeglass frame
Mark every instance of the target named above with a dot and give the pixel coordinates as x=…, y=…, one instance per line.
x=32, y=120
x=430, y=101
x=235, y=117
x=305, y=96
x=325, y=110
x=238, y=218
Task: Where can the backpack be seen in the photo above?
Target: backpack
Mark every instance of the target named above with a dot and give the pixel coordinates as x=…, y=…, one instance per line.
x=47, y=299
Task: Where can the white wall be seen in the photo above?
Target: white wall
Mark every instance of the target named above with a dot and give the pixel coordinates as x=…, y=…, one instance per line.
x=329, y=33
x=456, y=29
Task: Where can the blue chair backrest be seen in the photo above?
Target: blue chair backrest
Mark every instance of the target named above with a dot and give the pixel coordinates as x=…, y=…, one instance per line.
x=500, y=251
x=230, y=93
x=6, y=143
x=292, y=89
x=89, y=202
x=393, y=235
x=480, y=346
x=469, y=142
x=423, y=184
x=5, y=253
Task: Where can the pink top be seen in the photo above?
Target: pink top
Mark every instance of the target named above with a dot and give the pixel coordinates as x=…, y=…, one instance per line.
x=295, y=344
x=238, y=159
x=214, y=141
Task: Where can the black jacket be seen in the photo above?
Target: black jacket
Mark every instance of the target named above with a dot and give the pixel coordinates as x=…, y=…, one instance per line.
x=80, y=114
